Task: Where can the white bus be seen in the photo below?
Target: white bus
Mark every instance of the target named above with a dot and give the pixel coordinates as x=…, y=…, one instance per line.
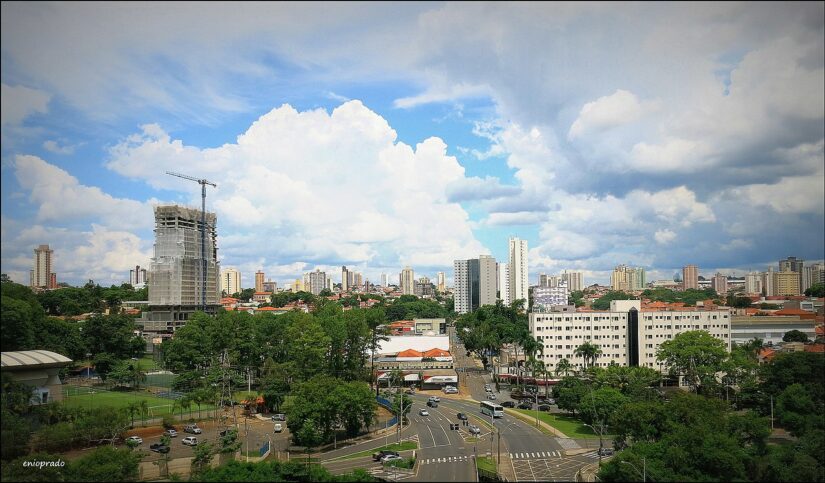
x=492, y=409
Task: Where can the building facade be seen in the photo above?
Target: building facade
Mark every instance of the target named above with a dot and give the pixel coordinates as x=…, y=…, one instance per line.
x=487, y=280
x=138, y=276
x=812, y=274
x=786, y=283
x=628, y=279
x=753, y=283
x=230, y=281
x=385, y=282
x=519, y=270
x=406, y=280
x=441, y=282
x=574, y=280
x=42, y=276
x=690, y=277
x=719, y=283
x=626, y=335
x=465, y=281
x=546, y=297
x=317, y=281
x=503, y=273
x=259, y=281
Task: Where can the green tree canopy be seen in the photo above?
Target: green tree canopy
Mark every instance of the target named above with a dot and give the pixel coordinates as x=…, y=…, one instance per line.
x=696, y=355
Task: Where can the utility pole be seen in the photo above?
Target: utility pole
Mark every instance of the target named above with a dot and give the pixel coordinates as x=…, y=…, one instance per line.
x=203, y=184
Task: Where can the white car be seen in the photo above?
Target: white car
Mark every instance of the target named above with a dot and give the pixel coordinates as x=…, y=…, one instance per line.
x=434, y=399
x=475, y=429
x=278, y=427
x=190, y=441
x=391, y=457
x=136, y=439
x=423, y=412
x=171, y=433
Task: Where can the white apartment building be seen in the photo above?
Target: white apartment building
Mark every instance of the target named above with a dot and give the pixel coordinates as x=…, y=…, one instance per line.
x=753, y=283
x=462, y=295
x=317, y=281
x=625, y=334
x=503, y=273
x=406, y=280
x=518, y=269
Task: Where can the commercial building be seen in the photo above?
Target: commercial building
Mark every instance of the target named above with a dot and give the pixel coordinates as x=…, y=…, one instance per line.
x=406, y=280
x=230, y=281
x=42, y=277
x=423, y=360
x=259, y=281
x=37, y=369
x=627, y=279
x=519, y=270
x=719, y=283
x=626, y=334
x=177, y=290
x=690, y=277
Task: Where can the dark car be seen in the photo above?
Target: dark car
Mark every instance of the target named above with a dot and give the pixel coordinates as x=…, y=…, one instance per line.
x=605, y=451
x=279, y=417
x=377, y=456
x=525, y=405
x=159, y=448
x=544, y=407
x=432, y=404
x=461, y=416
x=508, y=404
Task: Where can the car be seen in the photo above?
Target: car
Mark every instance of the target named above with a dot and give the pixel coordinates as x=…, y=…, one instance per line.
x=461, y=416
x=432, y=404
x=377, y=456
x=192, y=428
x=172, y=433
x=391, y=457
x=525, y=405
x=136, y=439
x=279, y=417
x=409, y=391
x=423, y=412
x=474, y=429
x=544, y=407
x=488, y=389
x=491, y=397
x=551, y=401
x=434, y=399
x=605, y=452
x=279, y=427
x=190, y=441
x=159, y=448
x=508, y=404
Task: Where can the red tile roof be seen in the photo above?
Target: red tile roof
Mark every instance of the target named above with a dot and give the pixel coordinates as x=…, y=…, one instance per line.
x=436, y=352
x=819, y=348
x=410, y=353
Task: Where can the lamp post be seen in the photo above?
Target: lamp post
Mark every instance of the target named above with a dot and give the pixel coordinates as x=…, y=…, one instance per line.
x=601, y=444
x=644, y=469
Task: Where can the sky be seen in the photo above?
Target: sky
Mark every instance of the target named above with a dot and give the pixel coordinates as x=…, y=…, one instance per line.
x=381, y=135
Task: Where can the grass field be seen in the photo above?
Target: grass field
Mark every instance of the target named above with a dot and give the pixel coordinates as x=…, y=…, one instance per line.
x=486, y=464
x=91, y=398
x=402, y=446
x=146, y=363
x=570, y=426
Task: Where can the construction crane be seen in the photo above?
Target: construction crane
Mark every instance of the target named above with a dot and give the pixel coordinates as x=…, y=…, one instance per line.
x=203, y=184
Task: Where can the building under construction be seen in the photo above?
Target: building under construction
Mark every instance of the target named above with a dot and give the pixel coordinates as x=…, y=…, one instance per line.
x=175, y=291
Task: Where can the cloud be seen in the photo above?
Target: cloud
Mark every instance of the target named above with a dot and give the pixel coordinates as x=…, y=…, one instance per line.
x=475, y=188
x=441, y=94
x=664, y=237
x=619, y=108
x=54, y=147
x=20, y=102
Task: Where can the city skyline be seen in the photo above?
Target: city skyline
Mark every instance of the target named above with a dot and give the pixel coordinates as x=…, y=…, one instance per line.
x=707, y=151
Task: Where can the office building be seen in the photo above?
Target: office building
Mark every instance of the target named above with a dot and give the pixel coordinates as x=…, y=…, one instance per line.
x=625, y=334
x=574, y=280
x=753, y=283
x=406, y=280
x=259, y=281
x=719, y=283
x=138, y=276
x=690, y=277
x=317, y=281
x=230, y=281
x=546, y=297
x=628, y=279
x=177, y=269
x=42, y=276
x=503, y=273
x=441, y=284
x=519, y=270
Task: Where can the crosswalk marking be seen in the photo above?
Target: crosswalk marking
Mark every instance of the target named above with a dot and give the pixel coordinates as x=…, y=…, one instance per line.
x=537, y=455
x=449, y=459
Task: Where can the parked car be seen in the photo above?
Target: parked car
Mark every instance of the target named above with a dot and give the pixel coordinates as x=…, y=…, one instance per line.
x=508, y=404
x=475, y=429
x=192, y=428
x=605, y=451
x=377, y=456
x=279, y=427
x=544, y=407
x=491, y=397
x=279, y=417
x=172, y=433
x=525, y=405
x=190, y=441
x=136, y=439
x=432, y=404
x=391, y=457
x=551, y=401
x=159, y=448
x=461, y=416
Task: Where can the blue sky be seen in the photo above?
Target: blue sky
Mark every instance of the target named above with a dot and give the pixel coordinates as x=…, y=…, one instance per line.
x=391, y=134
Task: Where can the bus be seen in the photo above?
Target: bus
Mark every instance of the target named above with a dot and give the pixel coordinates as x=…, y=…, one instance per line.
x=492, y=409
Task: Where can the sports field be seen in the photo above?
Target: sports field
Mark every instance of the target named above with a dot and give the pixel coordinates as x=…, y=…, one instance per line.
x=94, y=397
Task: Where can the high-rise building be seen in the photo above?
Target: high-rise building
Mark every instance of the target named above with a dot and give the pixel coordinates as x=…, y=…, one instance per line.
x=270, y=286
x=317, y=281
x=230, y=281
x=719, y=283
x=357, y=281
x=627, y=279
x=423, y=288
x=792, y=264
x=441, y=280
x=812, y=274
x=575, y=280
x=41, y=275
x=406, y=280
x=503, y=274
x=487, y=280
x=385, y=281
x=176, y=290
x=542, y=280
x=753, y=283
x=137, y=277
x=329, y=284
x=768, y=287
x=465, y=285
x=690, y=277
x=345, y=278
x=518, y=270
x=259, y=281
x=298, y=285
x=786, y=283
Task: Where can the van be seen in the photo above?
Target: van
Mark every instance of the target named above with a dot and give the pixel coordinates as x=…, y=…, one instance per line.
x=278, y=427
x=192, y=428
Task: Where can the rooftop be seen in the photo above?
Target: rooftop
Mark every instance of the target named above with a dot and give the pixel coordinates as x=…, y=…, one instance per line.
x=28, y=359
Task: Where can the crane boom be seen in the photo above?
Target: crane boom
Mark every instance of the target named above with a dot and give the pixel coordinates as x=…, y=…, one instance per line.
x=201, y=181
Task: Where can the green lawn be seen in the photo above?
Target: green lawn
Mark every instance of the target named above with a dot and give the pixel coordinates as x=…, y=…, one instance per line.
x=147, y=363
x=92, y=397
x=570, y=426
x=486, y=464
x=402, y=446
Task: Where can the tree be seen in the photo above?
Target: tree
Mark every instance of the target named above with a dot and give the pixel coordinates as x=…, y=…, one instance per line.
x=597, y=407
x=568, y=393
x=105, y=464
x=309, y=437
x=696, y=355
x=816, y=290
x=603, y=303
x=589, y=352
x=325, y=293
x=202, y=457
x=563, y=367
x=797, y=410
x=795, y=336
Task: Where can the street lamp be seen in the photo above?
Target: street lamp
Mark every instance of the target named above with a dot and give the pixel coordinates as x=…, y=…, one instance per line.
x=644, y=469
x=601, y=444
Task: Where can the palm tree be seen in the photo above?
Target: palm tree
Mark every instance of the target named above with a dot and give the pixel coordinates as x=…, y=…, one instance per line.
x=589, y=352
x=133, y=408
x=564, y=367
x=143, y=409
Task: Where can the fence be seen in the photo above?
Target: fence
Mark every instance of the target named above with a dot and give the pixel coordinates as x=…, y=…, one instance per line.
x=386, y=404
